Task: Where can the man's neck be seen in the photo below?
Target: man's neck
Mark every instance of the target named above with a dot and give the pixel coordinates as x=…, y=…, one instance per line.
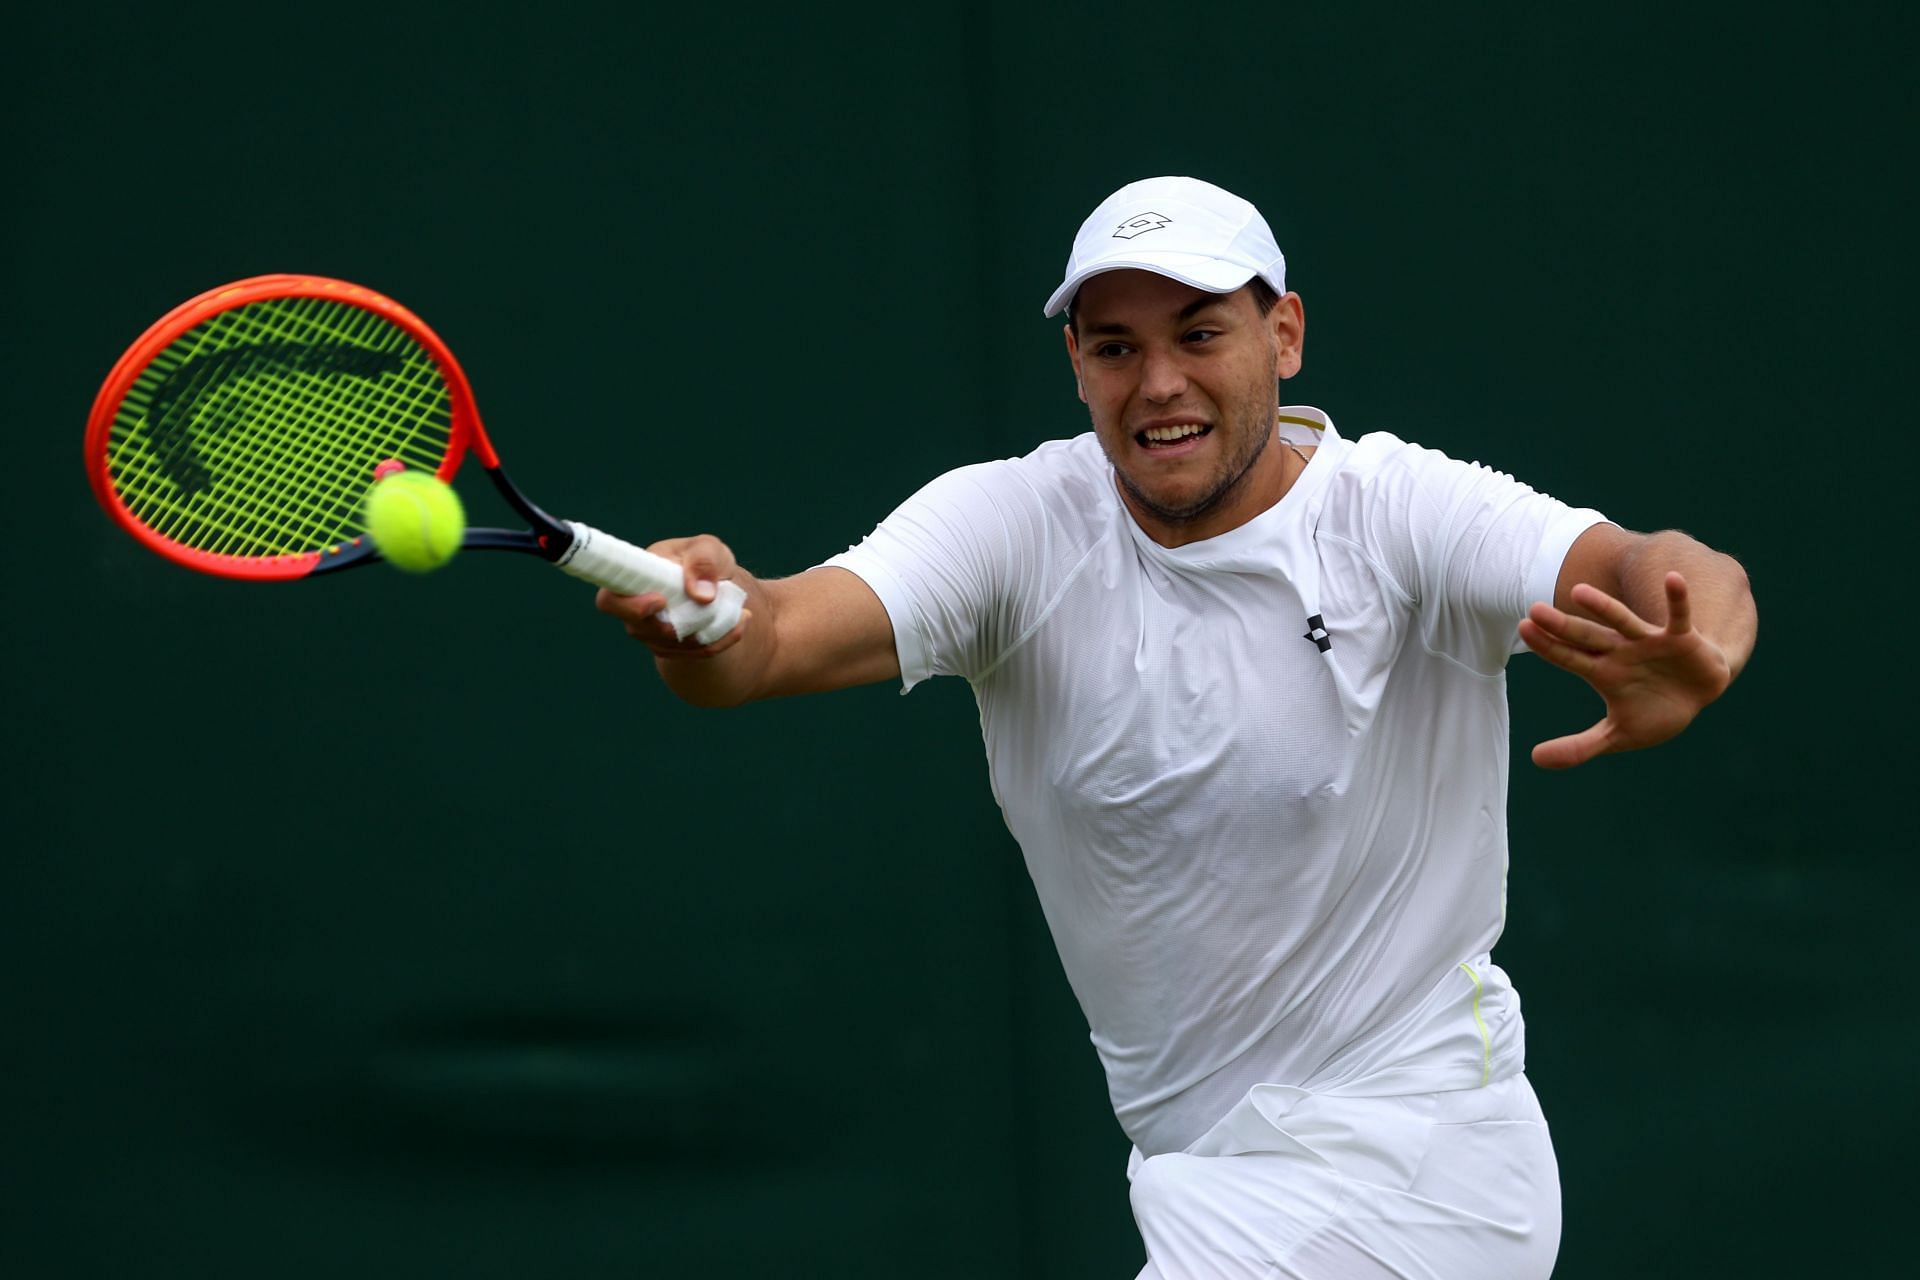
x=1265, y=483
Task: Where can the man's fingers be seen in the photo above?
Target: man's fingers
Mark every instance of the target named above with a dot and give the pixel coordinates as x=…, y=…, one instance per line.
x=671, y=648
x=1679, y=610
x=1631, y=625
x=726, y=641
x=1611, y=611
x=699, y=576
x=641, y=615
x=705, y=562
x=1575, y=748
x=629, y=609
x=1580, y=632
x=1555, y=650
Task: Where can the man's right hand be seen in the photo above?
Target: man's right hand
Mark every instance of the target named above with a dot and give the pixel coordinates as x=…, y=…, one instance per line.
x=706, y=561
x=819, y=630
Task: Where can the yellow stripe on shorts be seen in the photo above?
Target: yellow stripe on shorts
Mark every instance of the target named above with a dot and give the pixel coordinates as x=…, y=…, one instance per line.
x=1486, y=1041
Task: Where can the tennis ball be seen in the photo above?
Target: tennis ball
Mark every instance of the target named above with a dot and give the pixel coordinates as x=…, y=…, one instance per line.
x=415, y=519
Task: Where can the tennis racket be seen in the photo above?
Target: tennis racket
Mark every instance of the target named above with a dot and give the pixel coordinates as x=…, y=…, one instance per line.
x=239, y=435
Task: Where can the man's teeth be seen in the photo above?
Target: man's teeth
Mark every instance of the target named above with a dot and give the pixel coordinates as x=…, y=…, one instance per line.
x=1162, y=435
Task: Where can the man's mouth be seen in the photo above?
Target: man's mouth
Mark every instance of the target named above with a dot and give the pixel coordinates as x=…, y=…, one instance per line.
x=1172, y=436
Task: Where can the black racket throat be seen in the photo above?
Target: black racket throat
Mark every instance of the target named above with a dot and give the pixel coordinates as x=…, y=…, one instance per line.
x=545, y=536
x=551, y=537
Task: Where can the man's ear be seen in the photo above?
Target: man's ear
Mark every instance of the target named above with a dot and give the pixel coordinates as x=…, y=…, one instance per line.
x=1073, y=357
x=1287, y=322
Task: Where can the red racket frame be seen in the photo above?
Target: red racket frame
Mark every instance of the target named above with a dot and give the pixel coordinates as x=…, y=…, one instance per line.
x=466, y=430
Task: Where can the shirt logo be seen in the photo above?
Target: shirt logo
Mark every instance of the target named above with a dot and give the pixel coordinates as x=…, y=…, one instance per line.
x=1318, y=633
x=1140, y=224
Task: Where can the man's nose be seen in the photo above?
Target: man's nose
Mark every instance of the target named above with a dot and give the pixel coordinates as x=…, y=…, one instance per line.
x=1162, y=379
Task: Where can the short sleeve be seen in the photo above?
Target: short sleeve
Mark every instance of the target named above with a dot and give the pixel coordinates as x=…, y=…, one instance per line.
x=941, y=565
x=1474, y=547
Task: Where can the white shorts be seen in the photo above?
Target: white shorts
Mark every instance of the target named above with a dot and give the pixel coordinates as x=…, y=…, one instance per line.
x=1291, y=1185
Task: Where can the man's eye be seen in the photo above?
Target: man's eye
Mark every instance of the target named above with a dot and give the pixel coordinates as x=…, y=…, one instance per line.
x=1110, y=350
x=1202, y=335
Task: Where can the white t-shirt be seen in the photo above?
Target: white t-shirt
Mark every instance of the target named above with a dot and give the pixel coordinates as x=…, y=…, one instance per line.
x=1259, y=780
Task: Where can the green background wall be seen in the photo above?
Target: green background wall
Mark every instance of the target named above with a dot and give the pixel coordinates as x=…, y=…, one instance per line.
x=395, y=927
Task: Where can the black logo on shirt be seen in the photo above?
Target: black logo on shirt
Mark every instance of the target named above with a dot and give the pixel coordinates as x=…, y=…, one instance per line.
x=1318, y=633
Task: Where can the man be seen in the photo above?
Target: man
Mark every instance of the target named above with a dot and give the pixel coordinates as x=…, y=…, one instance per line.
x=1241, y=685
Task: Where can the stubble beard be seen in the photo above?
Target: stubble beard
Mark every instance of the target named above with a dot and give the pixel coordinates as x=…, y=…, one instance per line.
x=1255, y=409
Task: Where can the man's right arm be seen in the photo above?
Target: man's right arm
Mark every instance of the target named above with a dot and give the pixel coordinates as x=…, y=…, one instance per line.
x=819, y=630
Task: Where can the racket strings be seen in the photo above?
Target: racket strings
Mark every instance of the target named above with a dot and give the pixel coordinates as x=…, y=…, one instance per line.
x=289, y=480
x=243, y=522
x=256, y=432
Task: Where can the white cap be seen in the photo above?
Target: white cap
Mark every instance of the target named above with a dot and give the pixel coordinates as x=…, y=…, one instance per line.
x=1179, y=227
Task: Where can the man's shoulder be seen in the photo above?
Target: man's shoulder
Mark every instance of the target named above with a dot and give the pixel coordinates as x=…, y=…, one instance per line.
x=1383, y=450
x=1059, y=495
x=1382, y=483
x=1070, y=475
x=1381, y=459
x=1073, y=457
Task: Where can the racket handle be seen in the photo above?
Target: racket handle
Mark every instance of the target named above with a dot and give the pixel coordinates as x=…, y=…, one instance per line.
x=606, y=561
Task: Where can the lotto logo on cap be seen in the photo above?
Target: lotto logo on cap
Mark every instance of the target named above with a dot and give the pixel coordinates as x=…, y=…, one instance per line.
x=1189, y=230
x=1140, y=225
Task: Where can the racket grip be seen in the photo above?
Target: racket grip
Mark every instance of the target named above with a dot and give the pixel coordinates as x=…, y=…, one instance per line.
x=606, y=561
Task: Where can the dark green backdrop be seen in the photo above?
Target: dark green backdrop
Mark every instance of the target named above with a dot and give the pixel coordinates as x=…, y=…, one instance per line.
x=395, y=927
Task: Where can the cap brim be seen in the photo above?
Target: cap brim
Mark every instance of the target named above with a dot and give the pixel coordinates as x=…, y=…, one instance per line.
x=1194, y=269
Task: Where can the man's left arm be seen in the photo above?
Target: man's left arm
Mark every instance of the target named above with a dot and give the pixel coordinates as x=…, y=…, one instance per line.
x=1658, y=623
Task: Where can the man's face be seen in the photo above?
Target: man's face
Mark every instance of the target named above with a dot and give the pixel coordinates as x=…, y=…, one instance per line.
x=1183, y=389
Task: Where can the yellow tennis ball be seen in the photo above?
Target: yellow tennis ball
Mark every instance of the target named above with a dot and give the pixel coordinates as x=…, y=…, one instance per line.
x=415, y=519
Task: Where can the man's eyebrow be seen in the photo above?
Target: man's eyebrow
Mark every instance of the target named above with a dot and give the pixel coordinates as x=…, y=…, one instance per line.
x=1201, y=303
x=1114, y=329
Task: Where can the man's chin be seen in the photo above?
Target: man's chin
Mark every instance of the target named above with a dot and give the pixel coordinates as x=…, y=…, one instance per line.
x=1174, y=506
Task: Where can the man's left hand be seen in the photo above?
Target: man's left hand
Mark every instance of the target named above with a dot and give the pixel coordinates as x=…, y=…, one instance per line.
x=1653, y=679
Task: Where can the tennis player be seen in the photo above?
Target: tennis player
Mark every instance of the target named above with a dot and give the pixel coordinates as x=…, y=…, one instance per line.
x=1241, y=681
